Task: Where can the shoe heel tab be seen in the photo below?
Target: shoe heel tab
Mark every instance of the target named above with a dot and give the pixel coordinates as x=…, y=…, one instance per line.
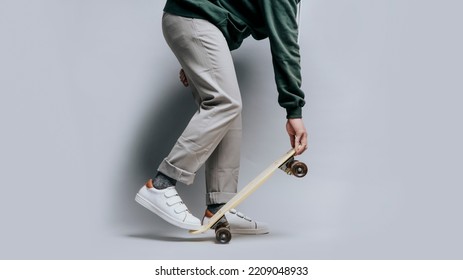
x=208, y=214
x=149, y=184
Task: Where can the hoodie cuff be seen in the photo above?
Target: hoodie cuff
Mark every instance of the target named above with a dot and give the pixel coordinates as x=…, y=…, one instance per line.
x=294, y=113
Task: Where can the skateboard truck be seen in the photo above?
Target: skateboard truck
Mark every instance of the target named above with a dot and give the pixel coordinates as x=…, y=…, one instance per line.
x=294, y=167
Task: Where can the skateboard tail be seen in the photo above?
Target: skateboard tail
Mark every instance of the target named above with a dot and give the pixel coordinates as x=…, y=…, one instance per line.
x=250, y=188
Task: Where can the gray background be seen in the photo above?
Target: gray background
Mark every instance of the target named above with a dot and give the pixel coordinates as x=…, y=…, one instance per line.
x=90, y=103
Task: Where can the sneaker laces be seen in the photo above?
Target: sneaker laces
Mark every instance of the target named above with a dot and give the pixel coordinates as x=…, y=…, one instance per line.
x=174, y=199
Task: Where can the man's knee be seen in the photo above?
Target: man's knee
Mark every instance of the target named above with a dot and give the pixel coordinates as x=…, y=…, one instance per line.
x=235, y=107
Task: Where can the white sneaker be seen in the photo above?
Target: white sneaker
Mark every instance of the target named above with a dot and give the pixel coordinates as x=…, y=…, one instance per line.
x=239, y=223
x=168, y=205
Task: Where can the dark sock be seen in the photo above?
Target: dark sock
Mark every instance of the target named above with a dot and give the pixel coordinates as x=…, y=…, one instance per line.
x=214, y=208
x=162, y=181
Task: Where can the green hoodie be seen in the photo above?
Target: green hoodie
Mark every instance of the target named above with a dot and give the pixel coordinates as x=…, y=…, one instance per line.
x=273, y=19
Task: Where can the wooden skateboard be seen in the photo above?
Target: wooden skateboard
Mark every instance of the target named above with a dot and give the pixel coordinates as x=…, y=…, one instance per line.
x=285, y=163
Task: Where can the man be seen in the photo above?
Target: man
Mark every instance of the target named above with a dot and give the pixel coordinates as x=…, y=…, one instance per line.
x=201, y=34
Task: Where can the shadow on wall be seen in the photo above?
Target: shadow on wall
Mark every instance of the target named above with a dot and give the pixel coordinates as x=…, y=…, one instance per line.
x=160, y=127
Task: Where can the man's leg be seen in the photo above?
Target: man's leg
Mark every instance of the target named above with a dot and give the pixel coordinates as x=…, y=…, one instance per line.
x=222, y=168
x=203, y=53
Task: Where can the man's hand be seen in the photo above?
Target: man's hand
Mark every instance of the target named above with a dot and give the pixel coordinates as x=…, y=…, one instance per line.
x=183, y=78
x=297, y=135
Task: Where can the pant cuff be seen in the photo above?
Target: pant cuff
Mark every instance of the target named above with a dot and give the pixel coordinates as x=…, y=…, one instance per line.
x=176, y=173
x=218, y=197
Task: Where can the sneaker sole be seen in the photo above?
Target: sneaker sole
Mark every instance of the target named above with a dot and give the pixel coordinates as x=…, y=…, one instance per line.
x=148, y=205
x=249, y=231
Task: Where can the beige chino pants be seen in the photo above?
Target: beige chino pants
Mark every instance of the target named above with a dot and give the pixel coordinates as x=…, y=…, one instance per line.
x=213, y=135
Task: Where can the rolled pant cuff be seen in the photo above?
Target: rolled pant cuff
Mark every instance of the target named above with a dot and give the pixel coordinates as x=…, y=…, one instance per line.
x=176, y=173
x=218, y=197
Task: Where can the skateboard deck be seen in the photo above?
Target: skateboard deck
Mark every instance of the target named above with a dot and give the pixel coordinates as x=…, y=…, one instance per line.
x=285, y=162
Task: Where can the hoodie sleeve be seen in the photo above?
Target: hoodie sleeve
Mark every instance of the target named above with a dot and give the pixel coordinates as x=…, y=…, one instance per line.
x=280, y=19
